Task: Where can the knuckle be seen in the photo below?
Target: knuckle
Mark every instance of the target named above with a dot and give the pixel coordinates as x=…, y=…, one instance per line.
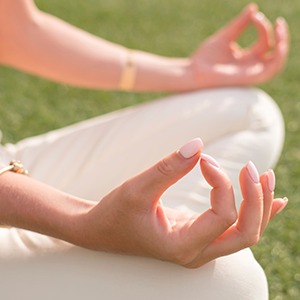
x=231, y=218
x=228, y=218
x=182, y=257
x=251, y=240
x=193, y=266
x=196, y=263
x=165, y=167
x=254, y=239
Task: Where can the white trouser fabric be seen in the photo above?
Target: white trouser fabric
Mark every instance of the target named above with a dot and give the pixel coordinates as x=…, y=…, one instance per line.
x=91, y=158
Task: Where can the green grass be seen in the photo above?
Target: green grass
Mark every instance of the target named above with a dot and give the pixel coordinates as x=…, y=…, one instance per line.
x=30, y=106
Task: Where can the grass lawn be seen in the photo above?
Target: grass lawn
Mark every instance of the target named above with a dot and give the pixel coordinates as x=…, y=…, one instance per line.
x=30, y=106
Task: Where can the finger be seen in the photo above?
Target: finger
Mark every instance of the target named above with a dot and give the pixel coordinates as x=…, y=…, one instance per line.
x=238, y=25
x=265, y=35
x=212, y=223
x=278, y=205
x=282, y=38
x=246, y=232
x=277, y=60
x=267, y=181
x=272, y=64
x=152, y=183
x=237, y=51
x=251, y=210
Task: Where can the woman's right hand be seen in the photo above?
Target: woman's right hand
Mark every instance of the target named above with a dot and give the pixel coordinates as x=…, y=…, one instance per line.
x=220, y=61
x=132, y=219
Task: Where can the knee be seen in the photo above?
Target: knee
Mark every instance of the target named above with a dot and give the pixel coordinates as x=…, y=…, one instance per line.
x=264, y=113
x=265, y=120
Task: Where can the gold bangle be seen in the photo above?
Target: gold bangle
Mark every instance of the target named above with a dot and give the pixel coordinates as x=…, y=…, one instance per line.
x=16, y=167
x=129, y=73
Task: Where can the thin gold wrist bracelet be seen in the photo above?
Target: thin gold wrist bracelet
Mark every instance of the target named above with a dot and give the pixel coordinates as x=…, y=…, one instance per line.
x=16, y=167
x=129, y=73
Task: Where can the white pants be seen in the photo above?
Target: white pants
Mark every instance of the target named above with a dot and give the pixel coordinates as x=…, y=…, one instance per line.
x=89, y=159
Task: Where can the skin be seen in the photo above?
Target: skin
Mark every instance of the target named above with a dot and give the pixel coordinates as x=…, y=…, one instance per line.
x=190, y=240
x=221, y=62
x=41, y=44
x=118, y=223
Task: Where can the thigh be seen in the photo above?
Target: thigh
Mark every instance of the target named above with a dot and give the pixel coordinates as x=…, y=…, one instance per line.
x=74, y=273
x=91, y=158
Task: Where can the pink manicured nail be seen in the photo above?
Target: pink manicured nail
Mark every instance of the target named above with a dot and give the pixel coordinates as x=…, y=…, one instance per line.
x=253, y=171
x=252, y=7
x=281, y=20
x=210, y=160
x=286, y=200
x=271, y=180
x=259, y=16
x=191, y=148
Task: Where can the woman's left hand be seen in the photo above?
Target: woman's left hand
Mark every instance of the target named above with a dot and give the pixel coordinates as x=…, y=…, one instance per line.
x=132, y=219
x=220, y=61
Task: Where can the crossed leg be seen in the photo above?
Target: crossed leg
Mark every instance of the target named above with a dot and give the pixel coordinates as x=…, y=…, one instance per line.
x=89, y=159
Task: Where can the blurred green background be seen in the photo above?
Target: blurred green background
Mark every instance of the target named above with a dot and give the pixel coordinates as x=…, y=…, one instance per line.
x=30, y=105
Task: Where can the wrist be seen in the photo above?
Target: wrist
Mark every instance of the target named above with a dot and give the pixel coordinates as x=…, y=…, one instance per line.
x=188, y=80
x=31, y=205
x=162, y=74
x=77, y=222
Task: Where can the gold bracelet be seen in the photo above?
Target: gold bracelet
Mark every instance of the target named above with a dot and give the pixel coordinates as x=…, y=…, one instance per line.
x=129, y=73
x=16, y=167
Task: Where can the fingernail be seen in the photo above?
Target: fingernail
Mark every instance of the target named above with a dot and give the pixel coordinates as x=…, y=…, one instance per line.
x=191, y=148
x=271, y=180
x=210, y=160
x=252, y=7
x=286, y=200
x=281, y=20
x=259, y=16
x=253, y=172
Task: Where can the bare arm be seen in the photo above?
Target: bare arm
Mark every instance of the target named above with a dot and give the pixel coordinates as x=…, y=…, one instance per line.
x=44, y=45
x=29, y=204
x=132, y=220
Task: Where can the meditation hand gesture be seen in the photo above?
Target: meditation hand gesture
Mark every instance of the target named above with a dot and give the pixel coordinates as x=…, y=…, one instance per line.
x=219, y=61
x=132, y=219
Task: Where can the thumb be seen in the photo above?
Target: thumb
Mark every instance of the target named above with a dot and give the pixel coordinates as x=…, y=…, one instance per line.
x=153, y=182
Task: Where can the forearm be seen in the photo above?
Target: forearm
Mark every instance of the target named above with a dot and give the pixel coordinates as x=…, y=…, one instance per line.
x=44, y=45
x=29, y=204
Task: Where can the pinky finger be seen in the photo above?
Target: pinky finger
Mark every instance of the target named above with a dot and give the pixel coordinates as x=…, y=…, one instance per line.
x=267, y=181
x=278, y=205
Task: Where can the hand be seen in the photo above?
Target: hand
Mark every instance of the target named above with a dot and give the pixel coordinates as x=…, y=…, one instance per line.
x=219, y=61
x=132, y=219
